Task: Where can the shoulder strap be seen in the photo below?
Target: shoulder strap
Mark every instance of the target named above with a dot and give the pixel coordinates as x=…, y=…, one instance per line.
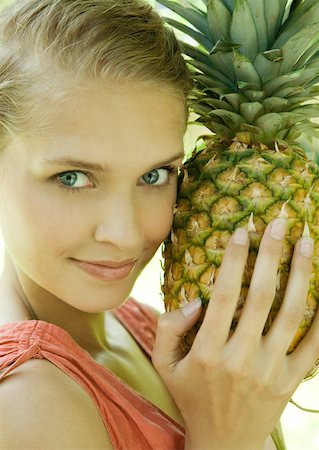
x=140, y=321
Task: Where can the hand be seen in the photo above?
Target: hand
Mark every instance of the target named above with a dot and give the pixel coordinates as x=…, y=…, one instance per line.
x=232, y=391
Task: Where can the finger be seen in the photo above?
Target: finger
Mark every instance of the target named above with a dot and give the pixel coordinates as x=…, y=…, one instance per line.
x=215, y=328
x=170, y=329
x=262, y=287
x=306, y=356
x=292, y=310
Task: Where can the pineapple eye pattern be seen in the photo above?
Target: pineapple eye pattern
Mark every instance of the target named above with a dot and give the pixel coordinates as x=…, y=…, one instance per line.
x=248, y=95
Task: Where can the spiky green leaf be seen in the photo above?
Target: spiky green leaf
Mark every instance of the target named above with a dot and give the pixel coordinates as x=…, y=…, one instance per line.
x=250, y=111
x=267, y=70
x=214, y=85
x=297, y=45
x=309, y=129
x=235, y=100
x=275, y=104
x=297, y=100
x=311, y=55
x=274, y=55
x=307, y=110
x=304, y=15
x=274, y=11
x=231, y=120
x=219, y=19
x=295, y=4
x=247, y=87
x=254, y=96
x=243, y=30
x=276, y=121
x=231, y=85
x=199, y=4
x=245, y=70
x=190, y=13
x=218, y=128
x=230, y=5
x=293, y=27
x=251, y=128
x=314, y=91
x=257, y=9
x=293, y=79
x=287, y=11
x=201, y=109
x=270, y=123
x=223, y=46
x=217, y=104
x=194, y=52
x=224, y=63
x=289, y=92
x=196, y=35
x=208, y=70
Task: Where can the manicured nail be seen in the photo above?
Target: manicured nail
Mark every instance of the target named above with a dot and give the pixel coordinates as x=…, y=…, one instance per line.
x=240, y=236
x=306, y=247
x=191, y=307
x=278, y=229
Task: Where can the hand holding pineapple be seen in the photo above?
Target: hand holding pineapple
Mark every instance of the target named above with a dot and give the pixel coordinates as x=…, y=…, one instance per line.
x=255, y=65
x=232, y=389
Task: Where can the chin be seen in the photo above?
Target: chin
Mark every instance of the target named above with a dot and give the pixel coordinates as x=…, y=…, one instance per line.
x=99, y=302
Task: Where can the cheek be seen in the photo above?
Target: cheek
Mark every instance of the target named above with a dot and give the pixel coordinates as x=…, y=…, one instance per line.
x=157, y=220
x=33, y=224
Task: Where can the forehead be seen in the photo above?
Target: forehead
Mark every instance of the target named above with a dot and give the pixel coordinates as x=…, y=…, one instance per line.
x=119, y=119
x=67, y=103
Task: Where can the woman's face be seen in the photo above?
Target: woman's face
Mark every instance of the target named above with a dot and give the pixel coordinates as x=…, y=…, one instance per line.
x=53, y=212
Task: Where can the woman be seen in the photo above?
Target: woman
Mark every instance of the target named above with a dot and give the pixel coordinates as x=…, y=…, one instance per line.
x=94, y=103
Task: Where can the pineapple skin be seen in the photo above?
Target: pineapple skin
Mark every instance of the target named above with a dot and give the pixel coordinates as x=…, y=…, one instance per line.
x=255, y=66
x=225, y=187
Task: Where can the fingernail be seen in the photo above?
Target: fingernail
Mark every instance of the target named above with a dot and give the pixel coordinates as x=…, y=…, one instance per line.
x=240, y=236
x=191, y=307
x=306, y=247
x=278, y=229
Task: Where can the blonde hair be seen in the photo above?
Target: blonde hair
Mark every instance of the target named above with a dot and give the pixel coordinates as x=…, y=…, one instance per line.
x=121, y=40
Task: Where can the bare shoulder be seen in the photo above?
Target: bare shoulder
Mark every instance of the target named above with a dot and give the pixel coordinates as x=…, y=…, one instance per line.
x=42, y=407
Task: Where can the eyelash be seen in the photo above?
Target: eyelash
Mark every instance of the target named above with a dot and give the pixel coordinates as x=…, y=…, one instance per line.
x=173, y=172
x=73, y=190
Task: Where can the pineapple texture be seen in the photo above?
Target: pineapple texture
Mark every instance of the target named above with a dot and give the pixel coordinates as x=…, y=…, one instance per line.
x=255, y=65
x=222, y=189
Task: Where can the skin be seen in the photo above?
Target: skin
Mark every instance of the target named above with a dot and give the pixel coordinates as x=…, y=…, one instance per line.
x=115, y=216
x=248, y=372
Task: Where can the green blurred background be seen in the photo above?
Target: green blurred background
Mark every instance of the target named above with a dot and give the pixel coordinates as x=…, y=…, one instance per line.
x=301, y=429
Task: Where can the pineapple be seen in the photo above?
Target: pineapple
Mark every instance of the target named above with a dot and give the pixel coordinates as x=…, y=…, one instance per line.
x=255, y=65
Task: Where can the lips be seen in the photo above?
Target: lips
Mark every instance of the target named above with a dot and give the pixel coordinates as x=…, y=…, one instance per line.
x=106, y=272
x=112, y=264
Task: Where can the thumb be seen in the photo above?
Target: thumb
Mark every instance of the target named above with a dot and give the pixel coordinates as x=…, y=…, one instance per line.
x=170, y=330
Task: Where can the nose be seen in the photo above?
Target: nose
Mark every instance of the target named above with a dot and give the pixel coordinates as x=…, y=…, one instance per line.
x=120, y=226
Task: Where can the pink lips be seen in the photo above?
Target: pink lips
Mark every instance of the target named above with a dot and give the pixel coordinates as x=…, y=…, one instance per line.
x=107, y=273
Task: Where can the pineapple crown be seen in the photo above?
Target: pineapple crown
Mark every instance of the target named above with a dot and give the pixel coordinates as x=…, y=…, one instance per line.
x=255, y=64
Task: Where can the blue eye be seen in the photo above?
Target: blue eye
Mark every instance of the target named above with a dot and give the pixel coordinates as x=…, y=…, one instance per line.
x=69, y=179
x=159, y=178
x=151, y=177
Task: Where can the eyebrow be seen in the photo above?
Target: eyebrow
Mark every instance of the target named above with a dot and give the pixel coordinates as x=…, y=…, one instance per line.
x=80, y=164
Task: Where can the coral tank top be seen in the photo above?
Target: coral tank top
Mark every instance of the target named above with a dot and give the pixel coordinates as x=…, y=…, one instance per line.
x=132, y=422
